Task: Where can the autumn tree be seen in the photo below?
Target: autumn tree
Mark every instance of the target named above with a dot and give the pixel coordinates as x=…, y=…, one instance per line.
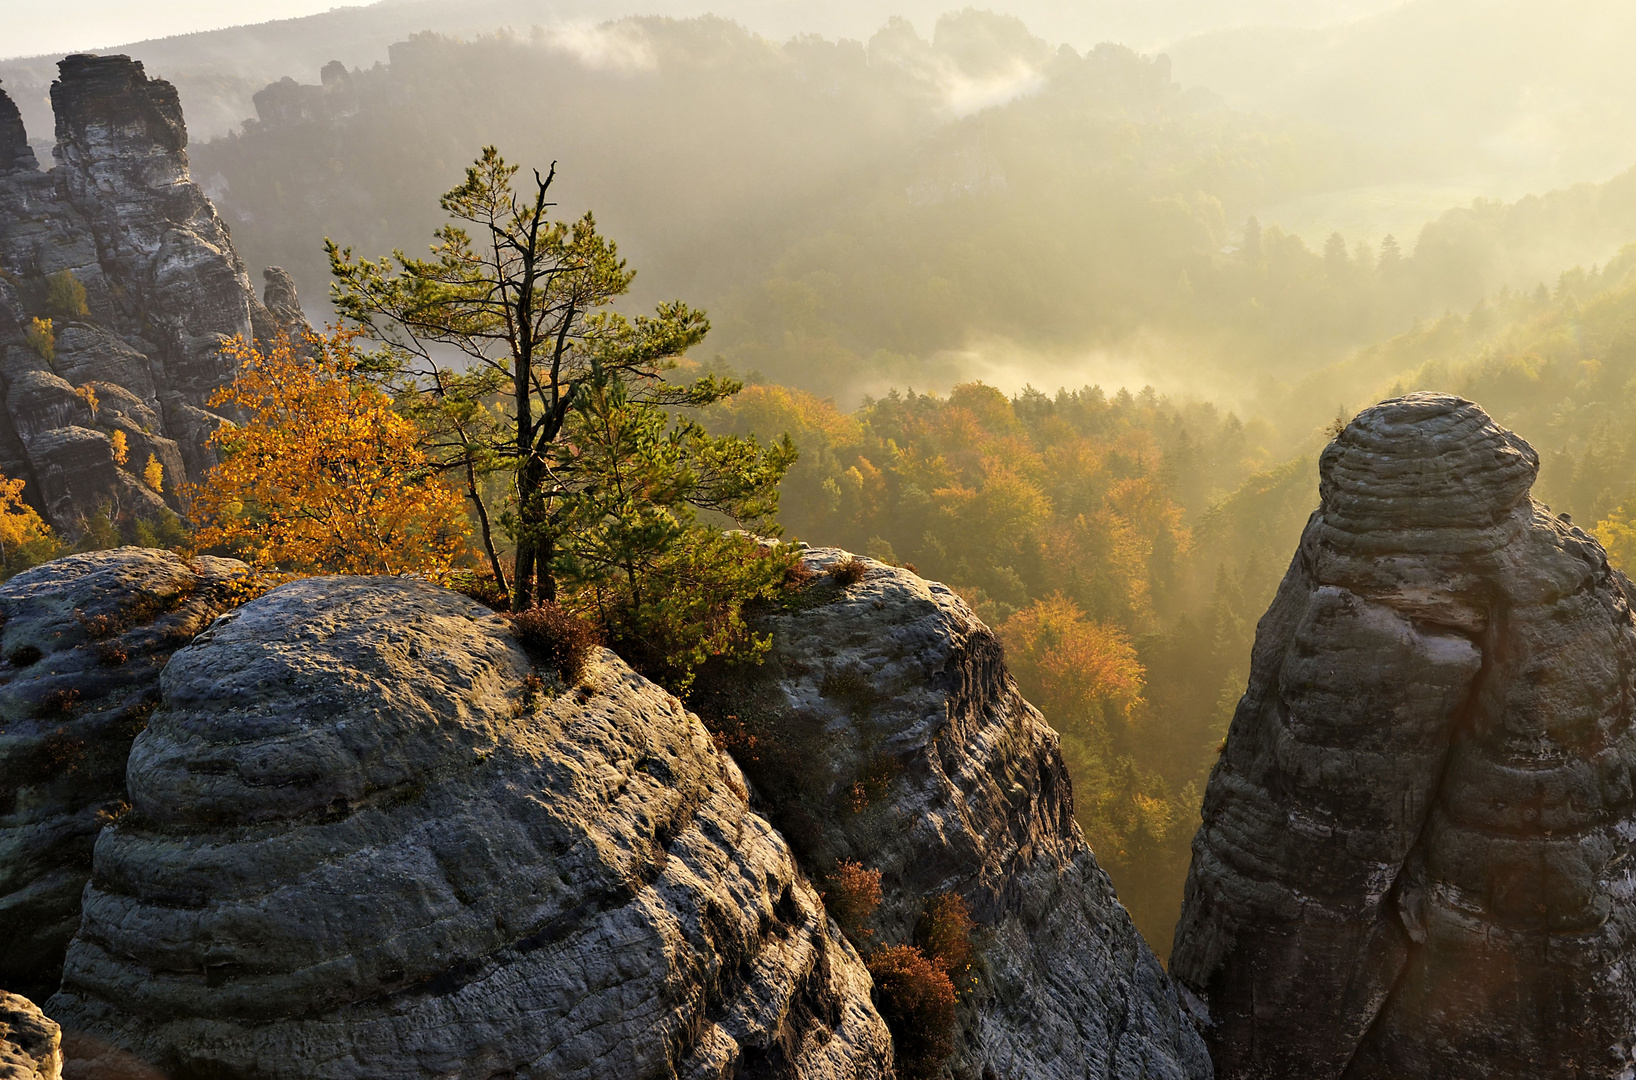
x=1071, y=666
x=522, y=300
x=323, y=475
x=25, y=539
x=1088, y=680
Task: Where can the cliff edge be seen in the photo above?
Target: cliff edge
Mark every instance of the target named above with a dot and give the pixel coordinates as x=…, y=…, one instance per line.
x=885, y=730
x=124, y=255
x=1415, y=853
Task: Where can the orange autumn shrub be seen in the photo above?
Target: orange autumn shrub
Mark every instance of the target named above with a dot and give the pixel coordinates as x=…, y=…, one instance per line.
x=25, y=539
x=852, y=895
x=916, y=999
x=323, y=476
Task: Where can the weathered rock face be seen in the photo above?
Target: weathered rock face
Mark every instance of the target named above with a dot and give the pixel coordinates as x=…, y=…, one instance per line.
x=367, y=840
x=15, y=153
x=163, y=288
x=891, y=735
x=1415, y=856
x=30, y=1041
x=83, y=642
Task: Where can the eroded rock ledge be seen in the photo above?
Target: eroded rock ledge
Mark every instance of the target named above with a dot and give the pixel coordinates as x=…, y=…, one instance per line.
x=30, y=1042
x=899, y=741
x=369, y=839
x=82, y=642
x=1415, y=855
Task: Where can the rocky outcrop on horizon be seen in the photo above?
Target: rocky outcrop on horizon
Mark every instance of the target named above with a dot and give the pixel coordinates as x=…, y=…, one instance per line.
x=82, y=642
x=162, y=287
x=1415, y=858
x=890, y=734
x=368, y=837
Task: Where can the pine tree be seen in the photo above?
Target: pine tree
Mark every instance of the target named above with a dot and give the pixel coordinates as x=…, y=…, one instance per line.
x=524, y=300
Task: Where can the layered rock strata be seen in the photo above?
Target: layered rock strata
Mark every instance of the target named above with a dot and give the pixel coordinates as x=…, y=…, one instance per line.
x=1415, y=854
x=139, y=353
x=369, y=838
x=30, y=1041
x=83, y=642
x=889, y=733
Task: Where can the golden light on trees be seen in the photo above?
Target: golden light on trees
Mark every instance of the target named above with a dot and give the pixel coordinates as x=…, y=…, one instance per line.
x=25, y=540
x=1069, y=665
x=323, y=476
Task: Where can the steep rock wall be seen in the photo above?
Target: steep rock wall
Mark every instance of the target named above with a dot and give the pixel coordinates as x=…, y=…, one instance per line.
x=163, y=288
x=888, y=732
x=1415, y=854
x=369, y=838
x=83, y=640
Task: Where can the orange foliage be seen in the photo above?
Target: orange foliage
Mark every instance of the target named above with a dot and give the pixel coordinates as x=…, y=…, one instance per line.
x=945, y=933
x=323, y=477
x=1069, y=665
x=852, y=897
x=24, y=537
x=916, y=1000
x=808, y=418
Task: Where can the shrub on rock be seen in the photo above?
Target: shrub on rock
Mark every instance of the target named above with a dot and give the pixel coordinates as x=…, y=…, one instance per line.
x=553, y=635
x=916, y=999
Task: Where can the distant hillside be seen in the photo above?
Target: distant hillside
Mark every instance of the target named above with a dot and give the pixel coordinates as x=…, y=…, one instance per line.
x=847, y=211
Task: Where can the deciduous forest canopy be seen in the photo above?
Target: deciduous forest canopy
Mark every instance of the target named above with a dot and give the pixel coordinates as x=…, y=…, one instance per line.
x=1059, y=320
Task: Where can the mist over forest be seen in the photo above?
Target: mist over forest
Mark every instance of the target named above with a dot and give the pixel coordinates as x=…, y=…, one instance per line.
x=1058, y=302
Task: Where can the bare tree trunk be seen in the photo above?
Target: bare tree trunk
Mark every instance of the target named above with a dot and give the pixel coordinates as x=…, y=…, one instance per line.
x=522, y=597
x=483, y=521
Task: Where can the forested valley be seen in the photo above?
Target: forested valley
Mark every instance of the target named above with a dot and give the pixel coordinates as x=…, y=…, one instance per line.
x=1030, y=315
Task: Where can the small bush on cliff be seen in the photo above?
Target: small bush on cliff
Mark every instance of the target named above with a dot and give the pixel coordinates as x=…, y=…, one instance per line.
x=65, y=296
x=673, y=610
x=851, y=894
x=42, y=339
x=849, y=572
x=916, y=999
x=555, y=636
x=944, y=934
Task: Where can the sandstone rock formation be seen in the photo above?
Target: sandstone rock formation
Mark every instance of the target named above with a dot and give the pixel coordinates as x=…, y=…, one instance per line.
x=890, y=734
x=15, y=153
x=1416, y=851
x=369, y=839
x=83, y=641
x=30, y=1042
x=162, y=288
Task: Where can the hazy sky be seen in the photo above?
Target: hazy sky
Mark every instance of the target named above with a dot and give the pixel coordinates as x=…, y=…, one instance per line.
x=36, y=27
x=31, y=27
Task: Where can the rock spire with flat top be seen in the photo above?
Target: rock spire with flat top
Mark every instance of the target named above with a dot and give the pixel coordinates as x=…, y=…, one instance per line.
x=1415, y=853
